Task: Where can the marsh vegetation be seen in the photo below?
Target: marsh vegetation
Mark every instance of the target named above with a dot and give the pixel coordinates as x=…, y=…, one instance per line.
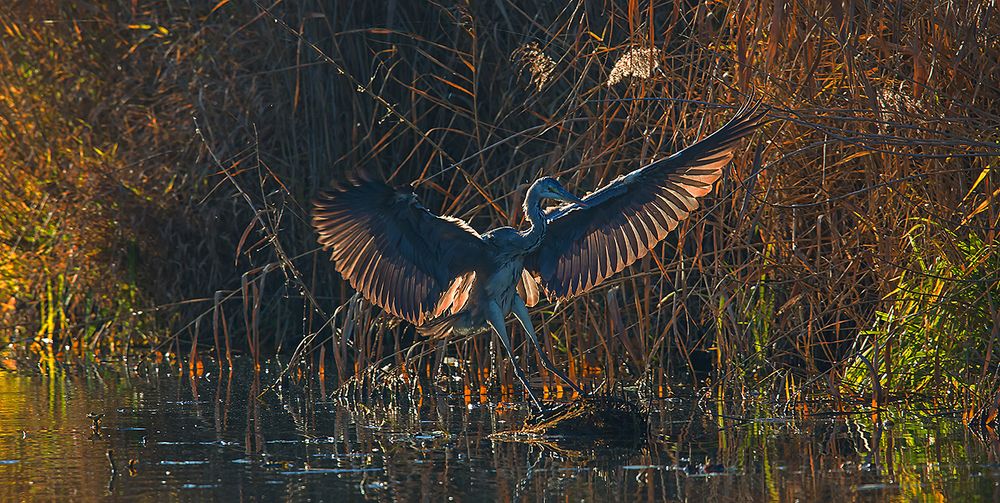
x=158, y=161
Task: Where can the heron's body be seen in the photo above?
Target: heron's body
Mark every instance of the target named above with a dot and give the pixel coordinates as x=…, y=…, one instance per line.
x=507, y=248
x=498, y=283
x=445, y=278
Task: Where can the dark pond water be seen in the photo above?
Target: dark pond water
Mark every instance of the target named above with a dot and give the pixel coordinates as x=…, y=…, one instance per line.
x=175, y=438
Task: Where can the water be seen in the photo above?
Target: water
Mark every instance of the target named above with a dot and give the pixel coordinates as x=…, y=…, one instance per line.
x=176, y=438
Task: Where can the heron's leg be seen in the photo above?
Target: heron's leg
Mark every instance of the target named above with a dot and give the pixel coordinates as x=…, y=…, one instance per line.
x=495, y=317
x=521, y=313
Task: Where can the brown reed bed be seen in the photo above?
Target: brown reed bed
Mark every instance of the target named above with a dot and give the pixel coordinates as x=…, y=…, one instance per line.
x=159, y=160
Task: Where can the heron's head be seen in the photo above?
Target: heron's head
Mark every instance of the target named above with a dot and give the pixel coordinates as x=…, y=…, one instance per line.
x=550, y=188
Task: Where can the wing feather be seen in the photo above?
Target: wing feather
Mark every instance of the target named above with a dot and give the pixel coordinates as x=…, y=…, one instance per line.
x=392, y=249
x=631, y=242
x=660, y=220
x=622, y=221
x=612, y=262
x=527, y=288
x=585, y=262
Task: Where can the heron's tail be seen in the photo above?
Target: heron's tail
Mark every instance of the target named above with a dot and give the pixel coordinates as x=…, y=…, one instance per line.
x=460, y=324
x=436, y=329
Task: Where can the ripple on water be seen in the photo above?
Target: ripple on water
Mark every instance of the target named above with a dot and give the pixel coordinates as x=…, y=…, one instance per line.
x=200, y=486
x=321, y=471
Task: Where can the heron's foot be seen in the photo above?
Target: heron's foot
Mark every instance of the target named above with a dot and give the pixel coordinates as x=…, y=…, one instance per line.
x=539, y=416
x=577, y=389
x=536, y=405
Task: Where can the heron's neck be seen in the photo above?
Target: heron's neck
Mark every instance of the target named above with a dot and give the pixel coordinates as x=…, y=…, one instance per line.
x=536, y=217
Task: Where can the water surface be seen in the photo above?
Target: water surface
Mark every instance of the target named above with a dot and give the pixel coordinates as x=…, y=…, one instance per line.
x=171, y=437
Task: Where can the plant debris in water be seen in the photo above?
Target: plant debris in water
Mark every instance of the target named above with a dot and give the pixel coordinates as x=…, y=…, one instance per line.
x=592, y=417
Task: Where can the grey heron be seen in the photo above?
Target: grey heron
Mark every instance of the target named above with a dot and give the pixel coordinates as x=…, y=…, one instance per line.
x=439, y=274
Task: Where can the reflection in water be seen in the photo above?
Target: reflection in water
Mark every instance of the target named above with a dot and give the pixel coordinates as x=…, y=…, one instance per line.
x=155, y=434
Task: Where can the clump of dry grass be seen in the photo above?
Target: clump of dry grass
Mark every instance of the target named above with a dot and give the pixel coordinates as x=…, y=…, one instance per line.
x=638, y=64
x=539, y=65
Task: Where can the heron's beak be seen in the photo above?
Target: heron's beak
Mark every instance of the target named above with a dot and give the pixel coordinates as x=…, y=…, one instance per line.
x=565, y=195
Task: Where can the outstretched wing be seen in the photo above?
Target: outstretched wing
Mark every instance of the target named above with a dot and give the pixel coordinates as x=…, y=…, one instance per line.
x=399, y=255
x=623, y=220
